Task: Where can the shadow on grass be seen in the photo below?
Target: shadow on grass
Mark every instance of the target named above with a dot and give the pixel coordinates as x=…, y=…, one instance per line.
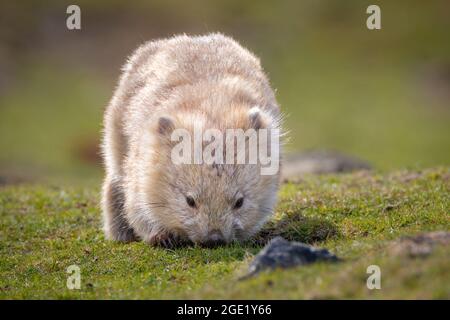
x=292, y=226
x=296, y=227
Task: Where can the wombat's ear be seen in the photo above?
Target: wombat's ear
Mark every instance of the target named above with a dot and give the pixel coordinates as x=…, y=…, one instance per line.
x=258, y=118
x=165, y=126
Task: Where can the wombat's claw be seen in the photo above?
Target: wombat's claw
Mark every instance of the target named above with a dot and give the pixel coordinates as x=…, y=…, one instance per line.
x=122, y=235
x=167, y=241
x=170, y=241
x=126, y=236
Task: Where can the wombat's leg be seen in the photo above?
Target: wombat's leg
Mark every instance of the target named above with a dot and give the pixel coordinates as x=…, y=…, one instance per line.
x=165, y=240
x=116, y=226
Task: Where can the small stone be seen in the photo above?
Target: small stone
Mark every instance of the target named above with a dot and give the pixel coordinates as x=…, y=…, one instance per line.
x=281, y=253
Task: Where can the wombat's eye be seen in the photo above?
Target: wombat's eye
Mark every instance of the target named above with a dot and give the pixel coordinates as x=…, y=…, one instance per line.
x=191, y=202
x=239, y=202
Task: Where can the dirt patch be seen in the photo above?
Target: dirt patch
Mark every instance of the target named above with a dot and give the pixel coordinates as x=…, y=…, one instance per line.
x=421, y=245
x=320, y=162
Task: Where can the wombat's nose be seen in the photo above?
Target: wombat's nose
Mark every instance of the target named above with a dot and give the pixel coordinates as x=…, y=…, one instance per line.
x=215, y=238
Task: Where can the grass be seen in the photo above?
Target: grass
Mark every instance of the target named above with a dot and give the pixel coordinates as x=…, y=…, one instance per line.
x=44, y=229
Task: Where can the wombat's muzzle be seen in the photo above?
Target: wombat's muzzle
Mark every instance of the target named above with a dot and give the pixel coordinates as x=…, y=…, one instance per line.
x=215, y=238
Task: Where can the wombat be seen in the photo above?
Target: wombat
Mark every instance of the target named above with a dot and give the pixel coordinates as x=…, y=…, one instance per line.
x=188, y=82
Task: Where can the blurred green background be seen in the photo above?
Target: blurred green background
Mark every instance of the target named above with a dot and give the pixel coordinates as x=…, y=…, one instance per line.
x=381, y=95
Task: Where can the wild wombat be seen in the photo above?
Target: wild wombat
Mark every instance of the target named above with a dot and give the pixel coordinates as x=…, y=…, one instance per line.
x=185, y=82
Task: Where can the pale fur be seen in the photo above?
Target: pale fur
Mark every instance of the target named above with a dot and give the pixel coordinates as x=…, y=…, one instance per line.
x=206, y=81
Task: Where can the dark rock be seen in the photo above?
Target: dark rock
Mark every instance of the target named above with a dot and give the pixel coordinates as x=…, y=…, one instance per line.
x=420, y=245
x=319, y=162
x=280, y=253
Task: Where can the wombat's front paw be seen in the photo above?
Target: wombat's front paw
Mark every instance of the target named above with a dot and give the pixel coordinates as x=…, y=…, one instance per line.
x=121, y=235
x=165, y=240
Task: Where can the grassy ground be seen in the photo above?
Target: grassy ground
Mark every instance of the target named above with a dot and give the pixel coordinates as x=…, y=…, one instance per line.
x=45, y=229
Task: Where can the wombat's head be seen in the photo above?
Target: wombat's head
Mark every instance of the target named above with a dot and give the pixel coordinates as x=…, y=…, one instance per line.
x=216, y=199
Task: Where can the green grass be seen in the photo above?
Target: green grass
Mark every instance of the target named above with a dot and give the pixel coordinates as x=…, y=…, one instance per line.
x=44, y=229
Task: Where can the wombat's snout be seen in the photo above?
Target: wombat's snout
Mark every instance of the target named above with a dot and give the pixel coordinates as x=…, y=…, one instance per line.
x=215, y=238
